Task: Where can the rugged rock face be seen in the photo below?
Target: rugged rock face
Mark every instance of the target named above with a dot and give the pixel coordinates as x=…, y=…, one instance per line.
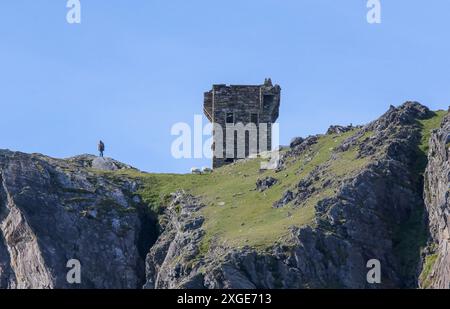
x=339, y=129
x=168, y=264
x=367, y=218
x=437, y=198
x=52, y=211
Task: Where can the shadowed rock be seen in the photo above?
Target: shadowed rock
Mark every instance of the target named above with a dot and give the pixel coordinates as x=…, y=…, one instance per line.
x=54, y=210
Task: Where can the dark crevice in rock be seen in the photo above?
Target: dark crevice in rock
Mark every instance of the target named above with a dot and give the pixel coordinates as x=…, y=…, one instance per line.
x=149, y=231
x=146, y=238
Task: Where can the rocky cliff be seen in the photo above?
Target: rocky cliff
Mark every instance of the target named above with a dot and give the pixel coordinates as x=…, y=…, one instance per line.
x=437, y=199
x=52, y=211
x=335, y=202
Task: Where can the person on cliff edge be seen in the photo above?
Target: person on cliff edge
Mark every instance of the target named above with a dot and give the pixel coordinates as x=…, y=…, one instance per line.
x=101, y=148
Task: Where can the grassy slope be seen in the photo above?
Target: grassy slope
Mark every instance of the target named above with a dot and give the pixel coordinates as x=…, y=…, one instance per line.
x=427, y=125
x=238, y=215
x=425, y=279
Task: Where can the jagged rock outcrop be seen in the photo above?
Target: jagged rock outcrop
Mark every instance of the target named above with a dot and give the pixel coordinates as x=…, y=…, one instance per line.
x=296, y=141
x=287, y=197
x=99, y=163
x=336, y=129
x=52, y=211
x=367, y=218
x=436, y=272
x=265, y=183
x=168, y=264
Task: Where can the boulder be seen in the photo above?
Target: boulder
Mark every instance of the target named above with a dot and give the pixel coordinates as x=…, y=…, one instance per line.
x=265, y=183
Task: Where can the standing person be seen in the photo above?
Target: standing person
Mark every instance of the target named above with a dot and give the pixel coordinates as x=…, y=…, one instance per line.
x=101, y=148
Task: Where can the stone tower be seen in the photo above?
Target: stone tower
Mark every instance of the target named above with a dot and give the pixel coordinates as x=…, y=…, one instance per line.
x=254, y=107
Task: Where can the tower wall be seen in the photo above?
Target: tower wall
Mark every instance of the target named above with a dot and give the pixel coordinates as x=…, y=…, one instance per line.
x=247, y=104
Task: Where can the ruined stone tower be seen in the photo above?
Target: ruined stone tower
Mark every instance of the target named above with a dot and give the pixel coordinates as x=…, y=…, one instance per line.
x=252, y=107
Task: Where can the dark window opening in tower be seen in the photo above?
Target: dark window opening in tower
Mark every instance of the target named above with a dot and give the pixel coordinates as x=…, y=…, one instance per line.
x=254, y=118
x=267, y=101
x=230, y=118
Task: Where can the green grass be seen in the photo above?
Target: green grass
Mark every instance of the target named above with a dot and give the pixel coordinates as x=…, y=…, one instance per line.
x=236, y=214
x=248, y=218
x=347, y=162
x=425, y=279
x=428, y=125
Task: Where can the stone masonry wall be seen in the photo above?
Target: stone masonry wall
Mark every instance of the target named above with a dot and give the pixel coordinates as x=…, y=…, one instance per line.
x=242, y=101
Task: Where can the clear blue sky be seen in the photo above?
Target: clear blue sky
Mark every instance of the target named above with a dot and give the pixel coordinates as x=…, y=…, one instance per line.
x=133, y=68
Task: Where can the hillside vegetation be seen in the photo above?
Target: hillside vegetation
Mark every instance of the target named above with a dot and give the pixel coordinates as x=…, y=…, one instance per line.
x=239, y=215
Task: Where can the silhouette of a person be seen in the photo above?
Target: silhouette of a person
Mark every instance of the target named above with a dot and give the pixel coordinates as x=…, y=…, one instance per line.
x=101, y=148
